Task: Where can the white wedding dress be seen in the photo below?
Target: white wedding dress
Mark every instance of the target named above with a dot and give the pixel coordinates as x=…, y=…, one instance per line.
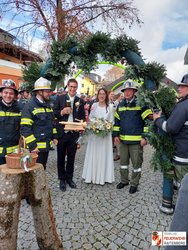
x=99, y=163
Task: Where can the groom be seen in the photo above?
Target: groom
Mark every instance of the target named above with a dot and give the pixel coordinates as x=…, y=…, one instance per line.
x=67, y=107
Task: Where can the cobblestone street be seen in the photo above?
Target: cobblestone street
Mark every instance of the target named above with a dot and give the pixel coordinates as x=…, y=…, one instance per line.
x=100, y=217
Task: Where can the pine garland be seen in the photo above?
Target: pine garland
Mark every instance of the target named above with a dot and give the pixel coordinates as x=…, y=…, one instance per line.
x=164, y=99
x=86, y=55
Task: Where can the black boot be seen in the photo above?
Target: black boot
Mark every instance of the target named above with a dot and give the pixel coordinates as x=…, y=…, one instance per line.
x=62, y=185
x=71, y=183
x=121, y=185
x=132, y=189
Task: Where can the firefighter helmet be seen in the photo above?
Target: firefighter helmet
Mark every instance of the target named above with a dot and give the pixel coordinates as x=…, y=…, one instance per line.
x=10, y=84
x=184, y=80
x=42, y=84
x=129, y=84
x=23, y=88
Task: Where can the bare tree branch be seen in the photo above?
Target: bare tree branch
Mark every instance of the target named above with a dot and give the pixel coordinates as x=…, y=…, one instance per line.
x=58, y=19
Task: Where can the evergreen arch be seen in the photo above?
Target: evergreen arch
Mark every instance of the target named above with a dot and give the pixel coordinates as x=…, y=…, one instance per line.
x=101, y=47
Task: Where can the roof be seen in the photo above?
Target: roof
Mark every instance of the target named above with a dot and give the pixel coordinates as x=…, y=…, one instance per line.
x=19, y=52
x=7, y=33
x=112, y=84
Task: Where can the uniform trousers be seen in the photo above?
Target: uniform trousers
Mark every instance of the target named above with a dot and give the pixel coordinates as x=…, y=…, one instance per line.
x=180, y=172
x=2, y=160
x=43, y=158
x=133, y=152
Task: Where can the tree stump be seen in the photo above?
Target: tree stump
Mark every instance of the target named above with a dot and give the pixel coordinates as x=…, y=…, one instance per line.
x=15, y=185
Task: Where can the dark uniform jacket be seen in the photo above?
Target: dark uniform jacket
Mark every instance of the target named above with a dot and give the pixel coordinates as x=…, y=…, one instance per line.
x=37, y=125
x=9, y=128
x=177, y=127
x=22, y=102
x=78, y=111
x=130, y=123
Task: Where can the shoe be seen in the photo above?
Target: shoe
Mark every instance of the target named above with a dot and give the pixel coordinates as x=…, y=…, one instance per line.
x=62, y=185
x=132, y=189
x=117, y=158
x=71, y=183
x=28, y=201
x=121, y=185
x=166, y=210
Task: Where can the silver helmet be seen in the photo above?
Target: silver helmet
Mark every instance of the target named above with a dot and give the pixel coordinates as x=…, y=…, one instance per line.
x=129, y=84
x=42, y=84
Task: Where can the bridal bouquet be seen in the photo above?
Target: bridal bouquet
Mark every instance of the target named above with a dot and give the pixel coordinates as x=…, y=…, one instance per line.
x=99, y=126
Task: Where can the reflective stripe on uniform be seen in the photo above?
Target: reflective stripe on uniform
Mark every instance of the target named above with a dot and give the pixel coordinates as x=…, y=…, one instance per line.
x=130, y=137
x=41, y=144
x=1, y=150
x=11, y=149
x=116, y=128
x=146, y=129
x=164, y=126
x=2, y=113
x=41, y=110
x=116, y=116
x=137, y=170
x=180, y=159
x=146, y=113
x=30, y=139
x=129, y=108
x=124, y=167
x=54, y=131
x=26, y=121
x=49, y=110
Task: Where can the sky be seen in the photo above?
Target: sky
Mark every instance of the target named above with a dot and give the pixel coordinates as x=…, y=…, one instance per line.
x=163, y=36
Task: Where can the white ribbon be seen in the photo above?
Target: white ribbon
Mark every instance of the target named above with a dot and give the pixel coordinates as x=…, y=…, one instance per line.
x=25, y=161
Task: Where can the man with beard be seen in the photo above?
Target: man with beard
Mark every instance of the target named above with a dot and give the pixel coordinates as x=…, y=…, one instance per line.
x=37, y=123
x=10, y=117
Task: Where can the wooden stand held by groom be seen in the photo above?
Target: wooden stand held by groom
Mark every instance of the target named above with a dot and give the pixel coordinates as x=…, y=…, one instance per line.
x=67, y=107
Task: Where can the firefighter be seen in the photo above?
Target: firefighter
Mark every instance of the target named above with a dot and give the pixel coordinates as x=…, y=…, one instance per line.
x=177, y=127
x=10, y=117
x=24, y=96
x=37, y=122
x=128, y=131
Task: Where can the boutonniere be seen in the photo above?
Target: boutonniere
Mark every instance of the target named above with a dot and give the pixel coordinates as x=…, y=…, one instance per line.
x=77, y=104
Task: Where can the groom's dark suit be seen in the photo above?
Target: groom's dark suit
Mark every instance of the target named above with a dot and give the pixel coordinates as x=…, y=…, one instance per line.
x=67, y=140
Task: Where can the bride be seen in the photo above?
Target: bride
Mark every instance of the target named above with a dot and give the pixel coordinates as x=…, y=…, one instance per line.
x=98, y=163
